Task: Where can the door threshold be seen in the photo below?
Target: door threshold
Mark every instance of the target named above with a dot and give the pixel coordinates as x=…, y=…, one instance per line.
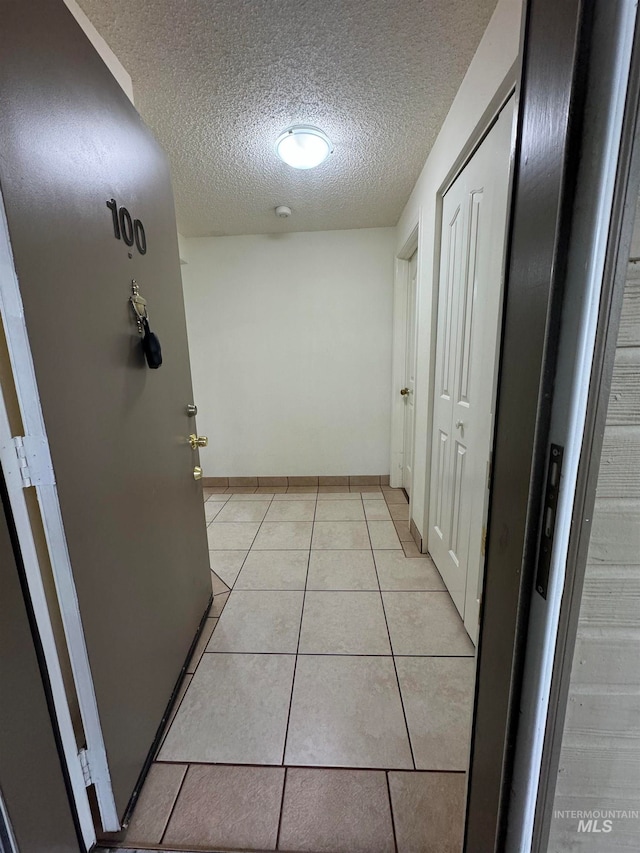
x=113, y=849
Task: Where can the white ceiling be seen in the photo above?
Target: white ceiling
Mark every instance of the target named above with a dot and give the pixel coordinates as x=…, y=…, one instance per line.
x=218, y=80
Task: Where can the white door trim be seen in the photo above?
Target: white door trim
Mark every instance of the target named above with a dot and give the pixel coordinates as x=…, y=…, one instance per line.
x=26, y=388
x=399, y=352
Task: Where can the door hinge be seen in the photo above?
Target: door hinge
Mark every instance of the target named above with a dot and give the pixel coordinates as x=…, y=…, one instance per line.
x=483, y=541
x=83, y=758
x=34, y=460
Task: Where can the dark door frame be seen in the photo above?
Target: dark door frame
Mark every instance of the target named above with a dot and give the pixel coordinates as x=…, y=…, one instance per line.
x=36, y=791
x=627, y=187
x=553, y=88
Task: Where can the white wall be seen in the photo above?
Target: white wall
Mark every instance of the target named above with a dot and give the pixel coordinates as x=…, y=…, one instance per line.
x=490, y=77
x=290, y=341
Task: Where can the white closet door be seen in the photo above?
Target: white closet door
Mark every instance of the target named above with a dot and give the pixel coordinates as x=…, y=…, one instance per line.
x=469, y=299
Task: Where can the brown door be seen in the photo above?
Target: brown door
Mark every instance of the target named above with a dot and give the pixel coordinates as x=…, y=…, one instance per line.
x=71, y=142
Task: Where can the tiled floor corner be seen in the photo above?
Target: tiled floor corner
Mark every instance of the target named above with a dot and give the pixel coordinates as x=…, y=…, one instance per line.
x=328, y=703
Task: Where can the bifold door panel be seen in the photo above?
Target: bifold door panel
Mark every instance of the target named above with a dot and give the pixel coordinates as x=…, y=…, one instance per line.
x=73, y=148
x=469, y=296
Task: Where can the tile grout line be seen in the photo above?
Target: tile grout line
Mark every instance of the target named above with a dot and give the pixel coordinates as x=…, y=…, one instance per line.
x=393, y=822
x=284, y=788
x=393, y=658
x=251, y=546
x=173, y=807
x=295, y=663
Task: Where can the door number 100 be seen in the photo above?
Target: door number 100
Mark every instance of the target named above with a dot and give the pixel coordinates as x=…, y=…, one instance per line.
x=127, y=229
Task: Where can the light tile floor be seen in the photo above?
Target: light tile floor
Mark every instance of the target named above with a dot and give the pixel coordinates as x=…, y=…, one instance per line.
x=328, y=704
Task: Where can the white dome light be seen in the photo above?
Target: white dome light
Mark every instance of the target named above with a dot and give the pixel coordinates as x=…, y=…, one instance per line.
x=303, y=146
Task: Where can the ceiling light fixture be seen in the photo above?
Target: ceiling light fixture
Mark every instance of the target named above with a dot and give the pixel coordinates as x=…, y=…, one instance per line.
x=303, y=146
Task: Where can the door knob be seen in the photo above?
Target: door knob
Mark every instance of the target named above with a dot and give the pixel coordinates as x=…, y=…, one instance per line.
x=197, y=473
x=460, y=424
x=192, y=410
x=404, y=392
x=198, y=441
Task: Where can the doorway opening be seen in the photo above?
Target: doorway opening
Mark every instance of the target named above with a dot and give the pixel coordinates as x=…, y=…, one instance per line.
x=408, y=389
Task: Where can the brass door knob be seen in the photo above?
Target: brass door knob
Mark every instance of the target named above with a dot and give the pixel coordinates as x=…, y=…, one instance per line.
x=198, y=441
x=404, y=391
x=197, y=473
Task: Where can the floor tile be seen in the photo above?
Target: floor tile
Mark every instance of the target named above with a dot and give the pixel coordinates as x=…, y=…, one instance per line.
x=339, y=535
x=243, y=511
x=232, y=536
x=242, y=490
x=340, y=511
x=332, y=722
x=274, y=570
x=219, y=602
x=186, y=681
x=271, y=490
x=201, y=645
x=395, y=496
x=437, y=694
x=302, y=490
x=330, y=811
x=344, y=623
x=228, y=807
x=333, y=490
x=339, y=496
x=227, y=564
x=217, y=584
x=250, y=495
x=291, y=511
x=425, y=623
x=259, y=621
x=395, y=571
x=428, y=811
x=212, y=509
x=342, y=570
x=368, y=490
x=234, y=712
x=296, y=496
x=156, y=800
x=283, y=536
x=376, y=510
x=383, y=534
x=368, y=496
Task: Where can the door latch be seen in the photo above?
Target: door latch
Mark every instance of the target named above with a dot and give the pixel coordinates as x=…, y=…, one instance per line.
x=549, y=512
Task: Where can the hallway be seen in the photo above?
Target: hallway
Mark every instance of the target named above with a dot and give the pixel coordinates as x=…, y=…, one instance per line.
x=336, y=671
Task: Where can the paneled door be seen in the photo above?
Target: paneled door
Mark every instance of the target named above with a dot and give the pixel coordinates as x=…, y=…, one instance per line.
x=89, y=209
x=469, y=299
x=408, y=390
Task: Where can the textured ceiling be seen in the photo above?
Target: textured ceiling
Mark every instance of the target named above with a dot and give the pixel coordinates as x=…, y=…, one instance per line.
x=218, y=80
